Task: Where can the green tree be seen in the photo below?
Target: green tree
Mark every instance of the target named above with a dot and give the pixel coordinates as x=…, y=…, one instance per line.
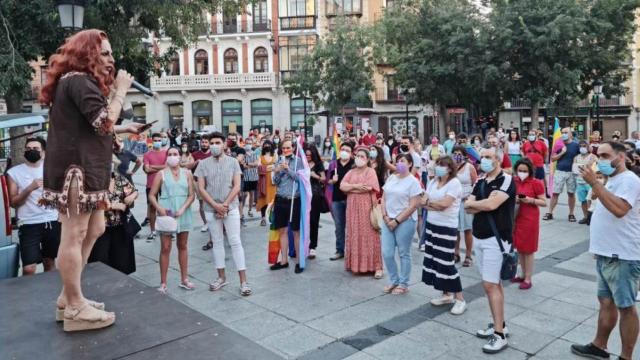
x=338, y=72
x=438, y=48
x=553, y=50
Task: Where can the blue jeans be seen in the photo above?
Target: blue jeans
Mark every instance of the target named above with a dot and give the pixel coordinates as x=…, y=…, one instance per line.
x=618, y=280
x=339, y=210
x=401, y=238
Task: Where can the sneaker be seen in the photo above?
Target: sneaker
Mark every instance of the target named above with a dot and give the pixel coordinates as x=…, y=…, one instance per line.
x=145, y=222
x=495, y=344
x=218, y=284
x=589, y=350
x=243, y=222
x=459, y=307
x=489, y=331
x=525, y=285
x=312, y=253
x=298, y=269
x=443, y=300
x=336, y=256
x=421, y=248
x=205, y=228
x=151, y=237
x=583, y=221
x=245, y=290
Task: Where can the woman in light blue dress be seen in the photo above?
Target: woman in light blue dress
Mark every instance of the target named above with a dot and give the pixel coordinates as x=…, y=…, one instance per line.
x=174, y=185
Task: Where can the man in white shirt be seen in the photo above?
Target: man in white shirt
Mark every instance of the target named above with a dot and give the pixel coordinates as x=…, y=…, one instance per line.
x=615, y=240
x=38, y=228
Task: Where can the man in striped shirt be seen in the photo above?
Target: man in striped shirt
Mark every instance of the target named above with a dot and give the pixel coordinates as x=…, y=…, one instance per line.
x=219, y=185
x=249, y=174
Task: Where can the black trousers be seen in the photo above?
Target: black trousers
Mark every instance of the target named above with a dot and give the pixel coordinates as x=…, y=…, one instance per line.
x=314, y=221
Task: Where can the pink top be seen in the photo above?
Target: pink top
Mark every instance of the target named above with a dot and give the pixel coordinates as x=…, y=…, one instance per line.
x=154, y=158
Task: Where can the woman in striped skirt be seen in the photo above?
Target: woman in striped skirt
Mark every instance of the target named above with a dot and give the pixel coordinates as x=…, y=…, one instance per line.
x=443, y=203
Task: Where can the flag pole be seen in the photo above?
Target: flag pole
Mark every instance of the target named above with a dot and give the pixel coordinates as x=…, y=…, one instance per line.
x=293, y=190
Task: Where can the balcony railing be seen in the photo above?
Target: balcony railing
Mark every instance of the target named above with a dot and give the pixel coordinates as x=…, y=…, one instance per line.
x=298, y=22
x=246, y=26
x=389, y=95
x=214, y=82
x=602, y=101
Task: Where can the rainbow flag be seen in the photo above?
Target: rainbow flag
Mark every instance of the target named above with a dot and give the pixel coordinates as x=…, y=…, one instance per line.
x=556, y=144
x=472, y=153
x=336, y=141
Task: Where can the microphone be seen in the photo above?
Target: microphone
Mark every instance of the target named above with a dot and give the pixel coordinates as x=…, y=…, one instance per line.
x=143, y=89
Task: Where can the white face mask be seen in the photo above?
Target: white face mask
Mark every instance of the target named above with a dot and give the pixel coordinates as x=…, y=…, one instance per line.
x=523, y=175
x=216, y=150
x=344, y=155
x=360, y=162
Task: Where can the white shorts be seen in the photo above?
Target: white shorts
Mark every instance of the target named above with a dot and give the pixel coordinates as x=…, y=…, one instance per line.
x=489, y=258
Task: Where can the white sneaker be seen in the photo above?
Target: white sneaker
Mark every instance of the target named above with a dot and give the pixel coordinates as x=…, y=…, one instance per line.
x=489, y=331
x=312, y=254
x=205, y=228
x=151, y=237
x=443, y=300
x=421, y=248
x=495, y=344
x=459, y=307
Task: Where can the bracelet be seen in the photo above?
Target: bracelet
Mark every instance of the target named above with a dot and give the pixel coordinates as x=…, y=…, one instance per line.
x=396, y=220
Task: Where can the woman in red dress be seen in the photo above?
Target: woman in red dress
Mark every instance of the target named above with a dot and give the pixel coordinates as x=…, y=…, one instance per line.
x=530, y=196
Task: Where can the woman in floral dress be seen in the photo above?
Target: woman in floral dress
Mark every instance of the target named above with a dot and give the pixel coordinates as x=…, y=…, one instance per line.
x=363, y=252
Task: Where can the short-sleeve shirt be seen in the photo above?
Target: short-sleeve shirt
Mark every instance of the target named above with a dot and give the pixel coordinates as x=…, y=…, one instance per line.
x=398, y=193
x=566, y=161
x=154, y=158
x=250, y=173
x=338, y=195
x=503, y=215
x=218, y=175
x=449, y=216
x=612, y=236
x=125, y=157
x=30, y=212
x=536, y=152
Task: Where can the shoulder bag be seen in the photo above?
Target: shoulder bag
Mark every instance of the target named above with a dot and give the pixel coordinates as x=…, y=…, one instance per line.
x=375, y=215
x=509, y=259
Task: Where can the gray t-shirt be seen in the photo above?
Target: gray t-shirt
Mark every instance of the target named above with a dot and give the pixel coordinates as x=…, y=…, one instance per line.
x=218, y=175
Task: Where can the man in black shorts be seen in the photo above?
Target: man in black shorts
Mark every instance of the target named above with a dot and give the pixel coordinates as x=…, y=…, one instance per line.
x=250, y=173
x=38, y=228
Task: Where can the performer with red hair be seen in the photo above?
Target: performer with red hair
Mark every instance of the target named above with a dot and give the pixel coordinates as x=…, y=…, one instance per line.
x=85, y=99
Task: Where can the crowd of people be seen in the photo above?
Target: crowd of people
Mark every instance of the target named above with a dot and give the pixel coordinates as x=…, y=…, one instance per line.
x=486, y=194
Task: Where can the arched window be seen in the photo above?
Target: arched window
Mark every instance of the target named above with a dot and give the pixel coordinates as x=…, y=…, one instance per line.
x=201, y=60
x=174, y=65
x=230, y=61
x=260, y=60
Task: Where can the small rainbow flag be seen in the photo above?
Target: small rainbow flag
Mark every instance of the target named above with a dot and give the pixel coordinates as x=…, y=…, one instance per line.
x=336, y=140
x=556, y=144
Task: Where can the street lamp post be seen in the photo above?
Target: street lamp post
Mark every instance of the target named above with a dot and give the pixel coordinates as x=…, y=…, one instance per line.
x=71, y=14
x=597, y=90
x=406, y=110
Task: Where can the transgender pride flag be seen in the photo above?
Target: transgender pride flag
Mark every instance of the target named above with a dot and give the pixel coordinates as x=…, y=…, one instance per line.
x=304, y=185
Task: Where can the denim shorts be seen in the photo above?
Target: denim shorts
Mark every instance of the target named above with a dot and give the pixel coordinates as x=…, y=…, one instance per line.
x=618, y=280
x=582, y=190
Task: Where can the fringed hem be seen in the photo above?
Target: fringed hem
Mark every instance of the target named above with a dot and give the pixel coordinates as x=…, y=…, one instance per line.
x=86, y=202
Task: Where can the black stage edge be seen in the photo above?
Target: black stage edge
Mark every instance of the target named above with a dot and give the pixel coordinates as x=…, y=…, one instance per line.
x=148, y=325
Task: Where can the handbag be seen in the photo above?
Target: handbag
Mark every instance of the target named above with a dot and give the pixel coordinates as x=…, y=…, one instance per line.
x=509, y=266
x=375, y=215
x=131, y=225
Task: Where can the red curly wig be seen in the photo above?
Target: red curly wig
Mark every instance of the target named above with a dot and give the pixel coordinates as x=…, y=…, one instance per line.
x=80, y=52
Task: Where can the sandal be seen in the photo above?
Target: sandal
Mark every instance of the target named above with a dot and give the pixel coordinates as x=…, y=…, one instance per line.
x=389, y=288
x=245, y=290
x=60, y=310
x=263, y=222
x=218, y=284
x=187, y=285
x=207, y=246
x=456, y=258
x=163, y=289
x=378, y=275
x=572, y=218
x=547, y=216
x=468, y=261
x=87, y=317
x=400, y=290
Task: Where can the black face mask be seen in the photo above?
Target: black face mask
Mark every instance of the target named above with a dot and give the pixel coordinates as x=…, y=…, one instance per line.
x=266, y=149
x=404, y=148
x=32, y=156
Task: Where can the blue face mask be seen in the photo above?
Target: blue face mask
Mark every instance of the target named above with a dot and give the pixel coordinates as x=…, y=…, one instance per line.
x=441, y=171
x=565, y=137
x=165, y=142
x=373, y=154
x=157, y=144
x=486, y=165
x=605, y=167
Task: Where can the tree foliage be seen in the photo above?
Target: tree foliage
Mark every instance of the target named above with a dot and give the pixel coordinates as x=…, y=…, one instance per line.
x=338, y=72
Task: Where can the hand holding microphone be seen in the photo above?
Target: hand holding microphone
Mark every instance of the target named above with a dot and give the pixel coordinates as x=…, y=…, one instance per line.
x=124, y=81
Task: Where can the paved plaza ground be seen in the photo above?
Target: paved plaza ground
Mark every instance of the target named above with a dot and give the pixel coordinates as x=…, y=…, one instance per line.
x=328, y=313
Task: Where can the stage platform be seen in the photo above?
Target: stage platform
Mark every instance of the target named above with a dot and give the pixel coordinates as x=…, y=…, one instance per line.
x=149, y=325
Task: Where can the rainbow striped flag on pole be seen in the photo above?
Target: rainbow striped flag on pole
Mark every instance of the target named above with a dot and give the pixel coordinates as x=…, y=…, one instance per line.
x=556, y=144
x=336, y=141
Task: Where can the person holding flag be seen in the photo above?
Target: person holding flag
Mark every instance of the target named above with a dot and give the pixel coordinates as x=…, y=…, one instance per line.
x=287, y=206
x=565, y=149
